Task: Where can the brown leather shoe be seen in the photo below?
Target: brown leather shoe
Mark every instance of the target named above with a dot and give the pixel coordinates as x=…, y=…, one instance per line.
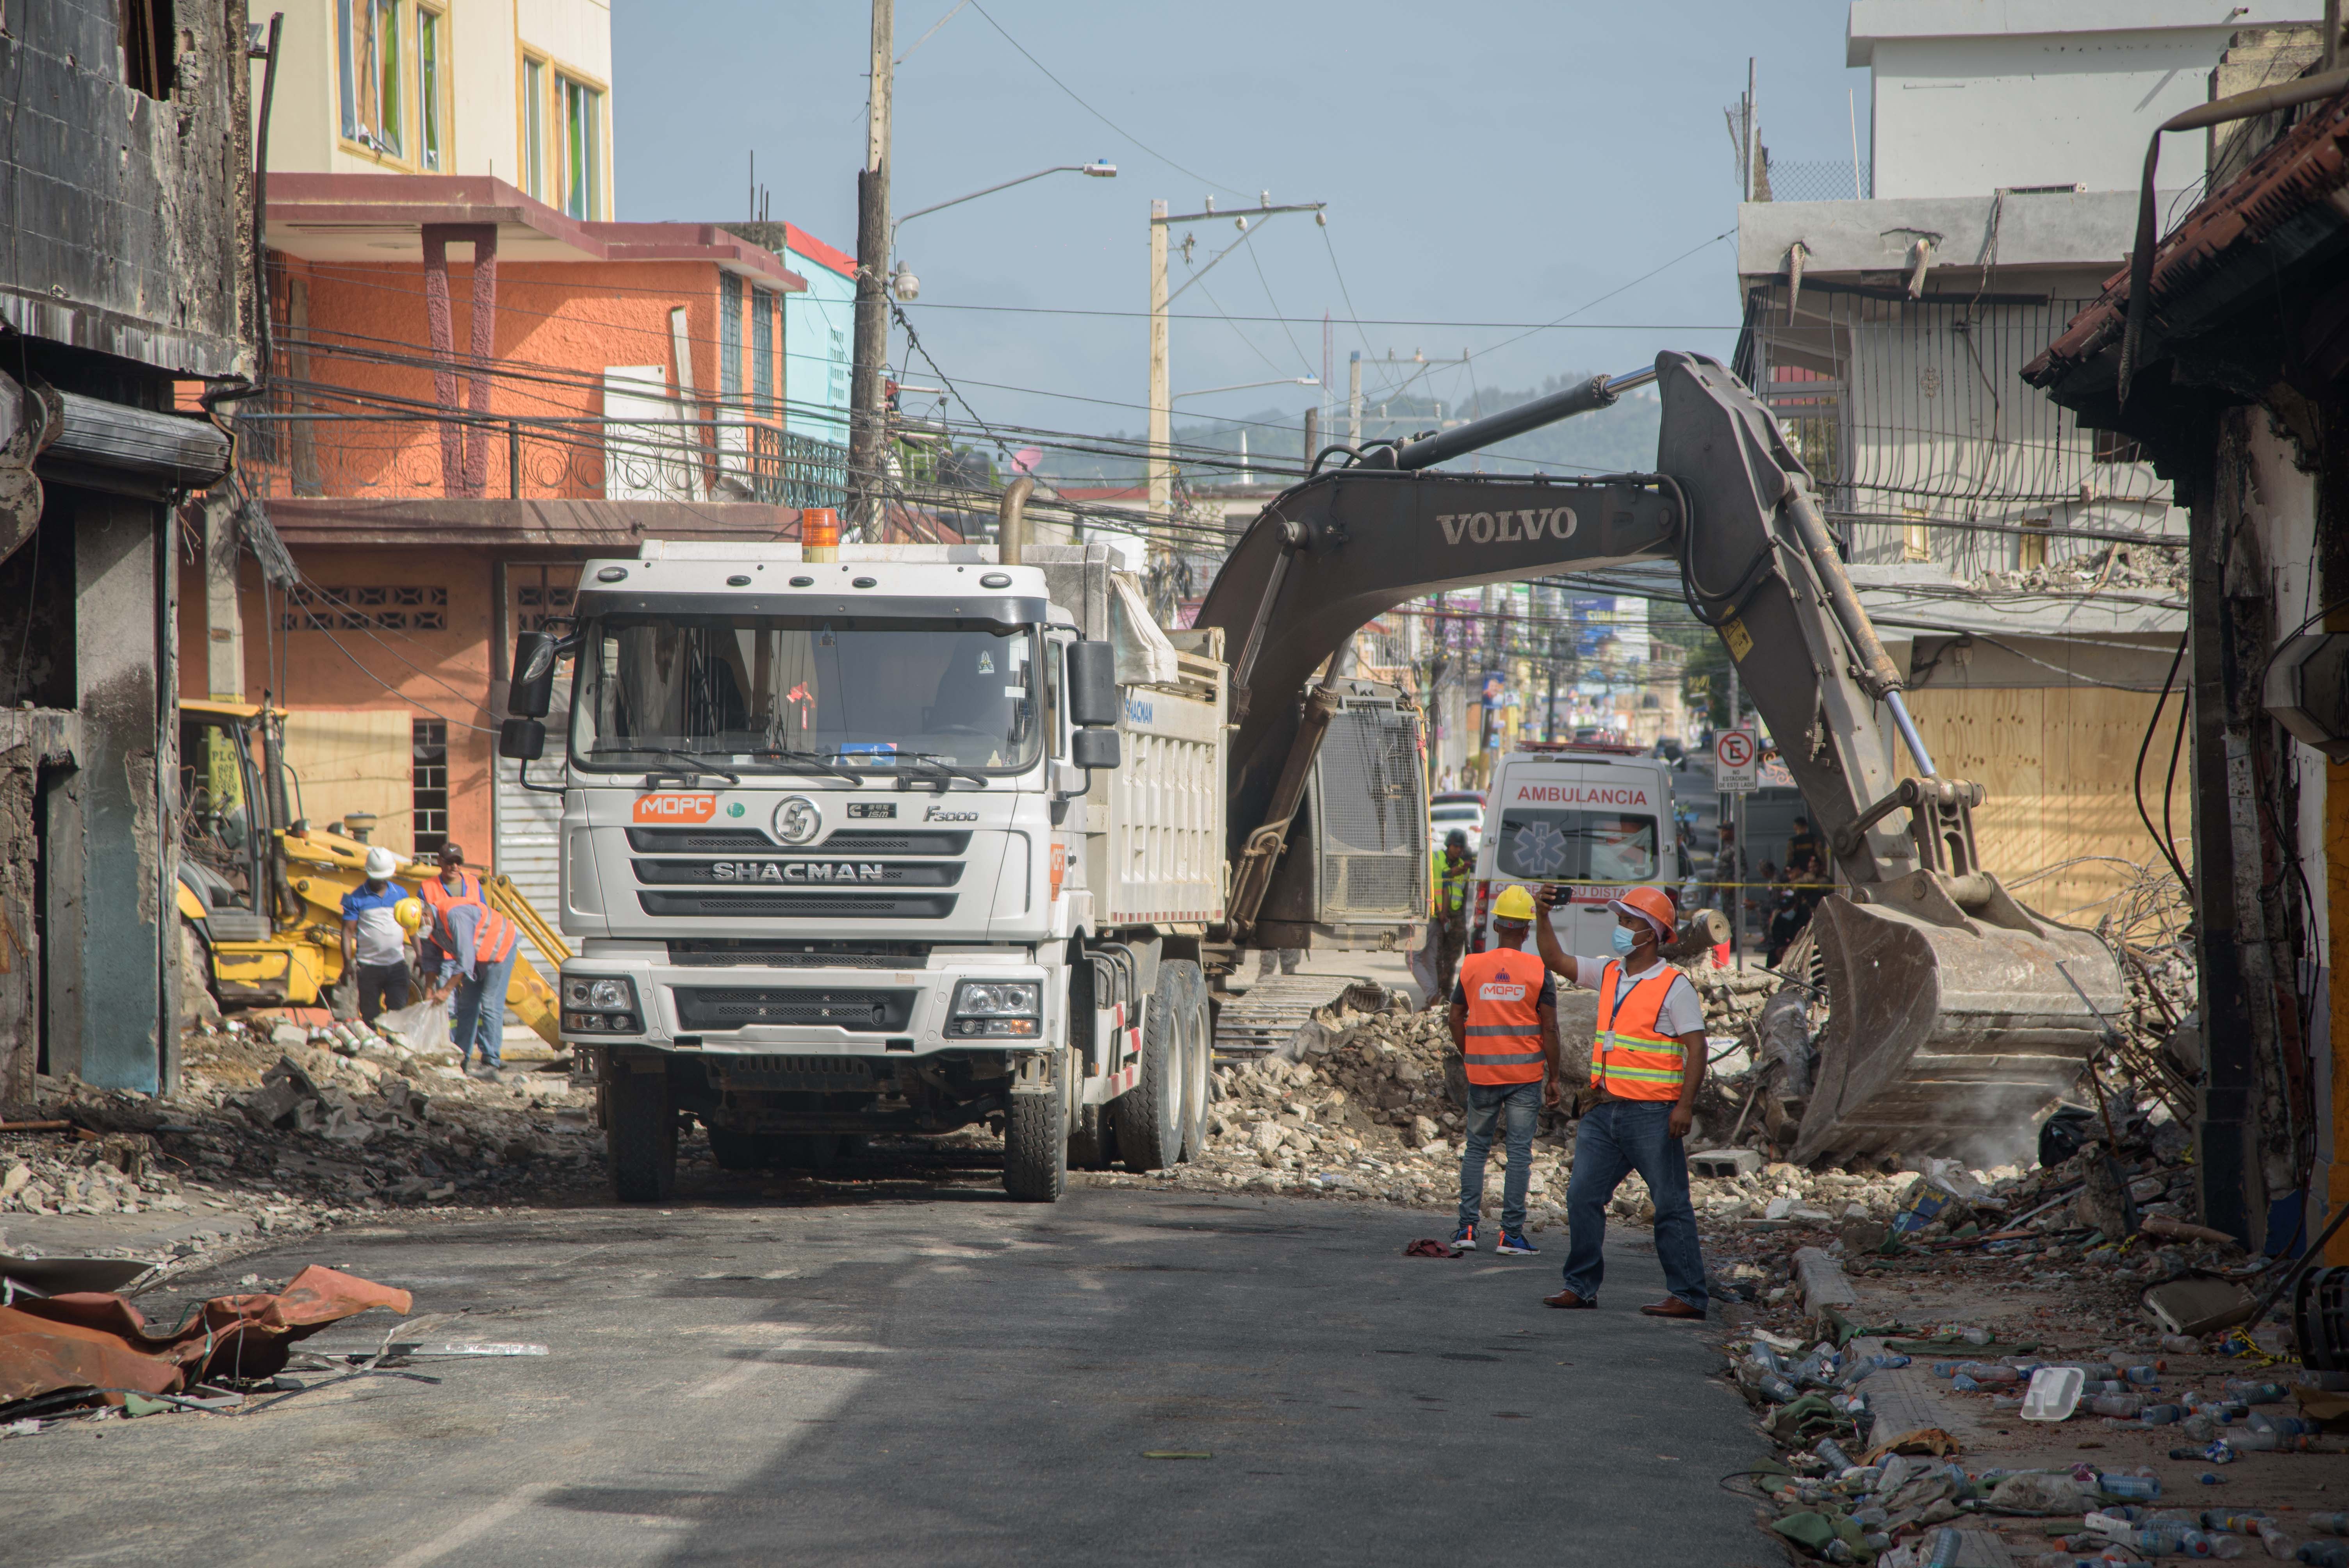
x=1671, y=1306
x=1567, y=1298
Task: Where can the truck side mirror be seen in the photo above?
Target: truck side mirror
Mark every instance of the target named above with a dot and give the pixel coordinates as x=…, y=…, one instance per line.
x=521, y=740
x=533, y=678
x=1095, y=749
x=1092, y=684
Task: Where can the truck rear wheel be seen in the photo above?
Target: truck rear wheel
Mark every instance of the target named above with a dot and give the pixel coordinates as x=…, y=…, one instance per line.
x=1150, y=1114
x=1093, y=1144
x=1197, y=1047
x=1036, y=1140
x=641, y=1134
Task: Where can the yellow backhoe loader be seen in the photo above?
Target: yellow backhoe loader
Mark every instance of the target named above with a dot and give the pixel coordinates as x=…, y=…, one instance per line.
x=263, y=889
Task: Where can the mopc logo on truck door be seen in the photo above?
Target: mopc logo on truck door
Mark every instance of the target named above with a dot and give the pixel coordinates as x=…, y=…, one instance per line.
x=693, y=809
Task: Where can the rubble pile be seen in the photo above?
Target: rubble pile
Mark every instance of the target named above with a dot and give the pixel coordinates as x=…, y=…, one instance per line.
x=272, y=1126
x=2117, y=566
x=2058, y=1356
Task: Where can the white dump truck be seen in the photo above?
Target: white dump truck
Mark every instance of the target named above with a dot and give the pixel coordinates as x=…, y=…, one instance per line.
x=907, y=841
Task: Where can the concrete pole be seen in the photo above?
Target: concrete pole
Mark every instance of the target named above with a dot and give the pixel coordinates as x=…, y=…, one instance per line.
x=1354, y=399
x=1161, y=419
x=867, y=447
x=224, y=619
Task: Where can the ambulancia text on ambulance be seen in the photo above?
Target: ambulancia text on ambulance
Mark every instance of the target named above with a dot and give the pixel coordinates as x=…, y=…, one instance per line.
x=1597, y=818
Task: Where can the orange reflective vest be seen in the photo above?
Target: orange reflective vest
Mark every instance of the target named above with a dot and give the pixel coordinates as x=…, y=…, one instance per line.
x=1504, y=1042
x=1630, y=1058
x=439, y=899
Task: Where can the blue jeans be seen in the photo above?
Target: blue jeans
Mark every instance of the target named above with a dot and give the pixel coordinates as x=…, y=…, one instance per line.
x=480, y=1014
x=1616, y=1137
x=1486, y=1102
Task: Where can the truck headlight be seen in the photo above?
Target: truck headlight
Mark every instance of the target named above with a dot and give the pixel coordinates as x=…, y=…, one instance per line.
x=593, y=1005
x=996, y=1009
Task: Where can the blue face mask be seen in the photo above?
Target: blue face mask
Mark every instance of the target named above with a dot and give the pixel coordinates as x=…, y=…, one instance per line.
x=1625, y=939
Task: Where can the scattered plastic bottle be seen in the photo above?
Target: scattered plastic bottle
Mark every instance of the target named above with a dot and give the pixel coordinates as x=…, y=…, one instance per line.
x=1778, y=1388
x=1989, y=1372
x=2162, y=1415
x=2142, y=1487
x=2170, y=1540
x=2287, y=1426
x=1852, y=1405
x=2198, y=1428
x=1767, y=1357
x=2278, y=1543
x=2182, y=1345
x=1943, y=1552
x=2148, y=1373
x=2251, y=1440
x=1830, y=1451
x=2235, y=1521
x=2329, y=1524
x=1964, y=1383
x=2219, y=1451
x=2324, y=1553
x=1977, y=1335
x=2116, y=1405
x=2230, y=1546
x=2211, y=1478
x=2251, y=1393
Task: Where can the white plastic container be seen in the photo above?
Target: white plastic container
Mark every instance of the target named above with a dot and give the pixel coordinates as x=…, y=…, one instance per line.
x=2053, y=1393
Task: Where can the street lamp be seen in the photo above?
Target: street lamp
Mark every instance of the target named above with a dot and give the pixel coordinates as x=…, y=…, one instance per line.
x=1243, y=385
x=902, y=281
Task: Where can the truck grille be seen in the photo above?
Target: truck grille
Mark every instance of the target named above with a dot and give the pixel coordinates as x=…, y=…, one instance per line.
x=854, y=842
x=717, y=953
x=770, y=871
x=711, y=1007
x=781, y=905
x=815, y=1075
x=699, y=840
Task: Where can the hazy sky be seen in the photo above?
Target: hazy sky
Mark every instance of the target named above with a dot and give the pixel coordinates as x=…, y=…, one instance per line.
x=1482, y=163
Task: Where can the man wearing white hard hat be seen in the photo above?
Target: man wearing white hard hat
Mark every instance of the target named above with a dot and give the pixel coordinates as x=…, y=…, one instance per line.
x=375, y=944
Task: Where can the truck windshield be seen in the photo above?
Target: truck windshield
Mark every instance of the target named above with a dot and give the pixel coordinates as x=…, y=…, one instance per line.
x=755, y=691
x=1577, y=846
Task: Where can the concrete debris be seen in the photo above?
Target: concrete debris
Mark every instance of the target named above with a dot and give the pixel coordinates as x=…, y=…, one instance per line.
x=2117, y=566
x=277, y=1129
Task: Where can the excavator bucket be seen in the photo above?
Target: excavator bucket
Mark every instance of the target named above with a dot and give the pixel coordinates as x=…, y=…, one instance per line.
x=1950, y=1026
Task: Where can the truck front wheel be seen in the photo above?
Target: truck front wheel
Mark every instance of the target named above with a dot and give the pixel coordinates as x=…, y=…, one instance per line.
x=1036, y=1140
x=641, y=1120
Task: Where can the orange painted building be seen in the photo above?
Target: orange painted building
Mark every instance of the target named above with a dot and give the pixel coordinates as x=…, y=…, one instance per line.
x=471, y=394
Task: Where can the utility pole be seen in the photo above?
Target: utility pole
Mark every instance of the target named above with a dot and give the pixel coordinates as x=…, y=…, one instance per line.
x=1160, y=496
x=1158, y=466
x=1354, y=399
x=867, y=442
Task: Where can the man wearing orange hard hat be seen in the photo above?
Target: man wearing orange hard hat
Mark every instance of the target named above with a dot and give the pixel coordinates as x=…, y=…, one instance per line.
x=1647, y=1063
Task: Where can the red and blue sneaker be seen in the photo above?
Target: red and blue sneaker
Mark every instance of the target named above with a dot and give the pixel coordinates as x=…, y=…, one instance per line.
x=1464, y=1238
x=1514, y=1245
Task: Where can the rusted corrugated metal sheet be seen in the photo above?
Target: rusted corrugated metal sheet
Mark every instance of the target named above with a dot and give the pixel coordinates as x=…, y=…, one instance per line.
x=100, y=1341
x=2307, y=166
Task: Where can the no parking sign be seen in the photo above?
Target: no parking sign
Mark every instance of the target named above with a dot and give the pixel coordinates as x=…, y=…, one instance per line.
x=1735, y=761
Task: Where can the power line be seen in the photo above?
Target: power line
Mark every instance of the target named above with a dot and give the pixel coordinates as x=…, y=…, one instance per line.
x=1092, y=110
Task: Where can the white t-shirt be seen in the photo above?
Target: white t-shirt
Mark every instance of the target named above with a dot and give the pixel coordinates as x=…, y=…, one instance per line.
x=1681, y=1014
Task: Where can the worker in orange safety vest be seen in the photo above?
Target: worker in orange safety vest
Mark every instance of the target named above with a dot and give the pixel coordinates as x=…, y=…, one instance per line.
x=1647, y=1063
x=1504, y=1020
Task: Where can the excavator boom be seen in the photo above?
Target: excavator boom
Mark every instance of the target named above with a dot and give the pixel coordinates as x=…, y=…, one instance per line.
x=1954, y=1012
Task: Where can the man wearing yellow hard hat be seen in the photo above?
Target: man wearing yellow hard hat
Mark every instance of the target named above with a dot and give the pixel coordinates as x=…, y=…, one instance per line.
x=1504, y=1020
x=376, y=940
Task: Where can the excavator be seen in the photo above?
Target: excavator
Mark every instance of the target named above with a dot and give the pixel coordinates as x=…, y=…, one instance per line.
x=263, y=889
x=1954, y=1014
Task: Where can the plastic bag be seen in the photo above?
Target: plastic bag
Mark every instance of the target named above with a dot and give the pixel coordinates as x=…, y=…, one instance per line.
x=423, y=1026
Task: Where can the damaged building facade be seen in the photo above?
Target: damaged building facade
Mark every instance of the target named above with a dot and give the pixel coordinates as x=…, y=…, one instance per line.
x=2238, y=389
x=126, y=301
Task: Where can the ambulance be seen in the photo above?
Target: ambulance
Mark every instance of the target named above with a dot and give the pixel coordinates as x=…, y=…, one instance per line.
x=1593, y=816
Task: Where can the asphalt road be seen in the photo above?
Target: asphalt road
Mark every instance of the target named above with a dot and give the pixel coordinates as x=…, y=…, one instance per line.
x=926, y=1373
